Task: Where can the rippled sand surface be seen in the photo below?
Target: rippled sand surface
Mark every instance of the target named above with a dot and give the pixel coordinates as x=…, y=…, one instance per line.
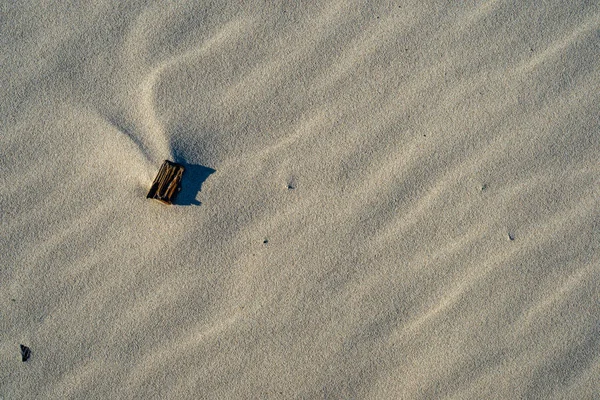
x=382, y=200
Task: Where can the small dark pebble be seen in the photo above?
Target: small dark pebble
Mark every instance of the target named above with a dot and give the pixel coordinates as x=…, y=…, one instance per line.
x=25, y=353
x=265, y=241
x=511, y=236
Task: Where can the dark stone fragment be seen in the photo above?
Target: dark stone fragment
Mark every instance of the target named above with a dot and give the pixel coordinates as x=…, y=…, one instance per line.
x=25, y=353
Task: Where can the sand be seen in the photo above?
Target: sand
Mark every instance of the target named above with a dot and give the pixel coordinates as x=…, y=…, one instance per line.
x=382, y=200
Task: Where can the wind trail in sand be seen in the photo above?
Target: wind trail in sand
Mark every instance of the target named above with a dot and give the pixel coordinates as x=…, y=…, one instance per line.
x=153, y=137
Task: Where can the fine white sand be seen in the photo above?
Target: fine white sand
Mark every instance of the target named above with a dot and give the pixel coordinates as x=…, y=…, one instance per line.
x=405, y=201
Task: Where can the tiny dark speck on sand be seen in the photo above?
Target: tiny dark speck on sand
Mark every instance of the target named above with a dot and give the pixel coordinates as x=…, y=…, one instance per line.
x=265, y=241
x=25, y=353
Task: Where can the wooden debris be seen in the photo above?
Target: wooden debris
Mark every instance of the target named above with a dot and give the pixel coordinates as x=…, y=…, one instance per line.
x=166, y=185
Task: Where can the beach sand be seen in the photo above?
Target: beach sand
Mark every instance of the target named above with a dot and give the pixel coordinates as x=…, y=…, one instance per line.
x=382, y=200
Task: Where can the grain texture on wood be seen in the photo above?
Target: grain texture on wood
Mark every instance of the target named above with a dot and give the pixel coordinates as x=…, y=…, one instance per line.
x=166, y=185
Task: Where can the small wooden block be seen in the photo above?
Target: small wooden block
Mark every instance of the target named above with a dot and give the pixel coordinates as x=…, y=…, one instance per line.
x=166, y=185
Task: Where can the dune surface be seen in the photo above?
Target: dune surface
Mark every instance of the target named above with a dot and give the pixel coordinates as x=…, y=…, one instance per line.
x=382, y=200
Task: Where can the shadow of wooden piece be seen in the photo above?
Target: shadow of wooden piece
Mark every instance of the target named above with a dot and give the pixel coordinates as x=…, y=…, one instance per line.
x=25, y=353
x=191, y=184
x=166, y=185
